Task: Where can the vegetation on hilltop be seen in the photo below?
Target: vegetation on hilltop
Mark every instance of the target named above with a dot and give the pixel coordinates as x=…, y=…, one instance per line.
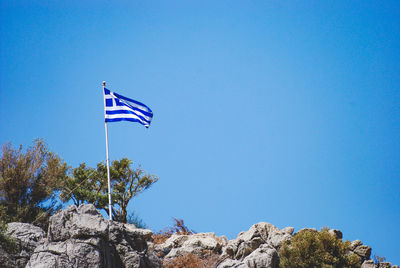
x=33, y=181
x=29, y=182
x=89, y=185
x=310, y=248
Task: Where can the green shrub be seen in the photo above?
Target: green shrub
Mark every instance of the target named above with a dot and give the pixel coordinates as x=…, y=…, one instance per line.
x=310, y=248
x=133, y=218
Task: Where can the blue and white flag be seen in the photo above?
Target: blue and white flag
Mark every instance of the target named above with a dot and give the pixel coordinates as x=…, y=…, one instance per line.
x=118, y=108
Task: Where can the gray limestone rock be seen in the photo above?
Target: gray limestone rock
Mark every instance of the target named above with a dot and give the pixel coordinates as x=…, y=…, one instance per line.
x=28, y=238
x=260, y=233
x=263, y=257
x=385, y=265
x=337, y=233
x=229, y=263
x=368, y=264
x=200, y=244
x=27, y=235
x=77, y=222
x=354, y=244
x=72, y=253
x=363, y=251
x=81, y=237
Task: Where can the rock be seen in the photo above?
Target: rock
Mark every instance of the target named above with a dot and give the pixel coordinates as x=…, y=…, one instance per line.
x=126, y=238
x=73, y=253
x=77, y=222
x=337, y=233
x=385, y=265
x=354, y=244
x=28, y=237
x=263, y=257
x=199, y=244
x=175, y=241
x=229, y=263
x=260, y=233
x=368, y=264
x=308, y=230
x=363, y=251
x=81, y=237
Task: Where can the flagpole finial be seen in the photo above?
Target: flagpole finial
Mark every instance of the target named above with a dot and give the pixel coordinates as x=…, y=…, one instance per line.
x=104, y=83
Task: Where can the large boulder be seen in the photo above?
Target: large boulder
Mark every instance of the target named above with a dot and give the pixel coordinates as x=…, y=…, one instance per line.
x=258, y=234
x=357, y=247
x=92, y=252
x=258, y=247
x=77, y=222
x=263, y=257
x=199, y=244
x=368, y=264
x=81, y=237
x=28, y=237
x=229, y=263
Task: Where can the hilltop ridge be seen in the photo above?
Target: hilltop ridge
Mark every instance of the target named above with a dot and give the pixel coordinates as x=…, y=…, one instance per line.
x=81, y=237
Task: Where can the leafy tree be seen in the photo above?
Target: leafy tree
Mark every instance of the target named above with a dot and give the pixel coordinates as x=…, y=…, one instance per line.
x=90, y=185
x=28, y=183
x=309, y=248
x=85, y=185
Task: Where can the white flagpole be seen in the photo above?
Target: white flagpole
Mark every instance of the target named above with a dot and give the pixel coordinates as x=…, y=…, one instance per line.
x=107, y=160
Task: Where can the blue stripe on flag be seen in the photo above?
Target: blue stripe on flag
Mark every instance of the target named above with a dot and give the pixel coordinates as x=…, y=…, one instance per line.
x=119, y=104
x=128, y=112
x=136, y=102
x=126, y=119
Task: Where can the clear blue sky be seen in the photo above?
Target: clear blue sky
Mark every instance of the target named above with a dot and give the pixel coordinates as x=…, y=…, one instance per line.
x=280, y=111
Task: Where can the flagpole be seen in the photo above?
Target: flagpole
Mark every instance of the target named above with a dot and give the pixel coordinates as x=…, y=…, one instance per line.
x=107, y=160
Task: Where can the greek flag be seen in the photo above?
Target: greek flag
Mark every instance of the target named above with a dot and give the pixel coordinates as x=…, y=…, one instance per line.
x=118, y=108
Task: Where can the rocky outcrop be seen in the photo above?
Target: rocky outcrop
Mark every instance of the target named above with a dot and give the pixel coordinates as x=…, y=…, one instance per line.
x=257, y=247
x=200, y=244
x=81, y=237
x=28, y=237
x=364, y=251
x=371, y=264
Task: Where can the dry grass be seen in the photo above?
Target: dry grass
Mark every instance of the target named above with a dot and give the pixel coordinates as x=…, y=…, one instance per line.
x=179, y=227
x=192, y=261
x=160, y=238
x=187, y=261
